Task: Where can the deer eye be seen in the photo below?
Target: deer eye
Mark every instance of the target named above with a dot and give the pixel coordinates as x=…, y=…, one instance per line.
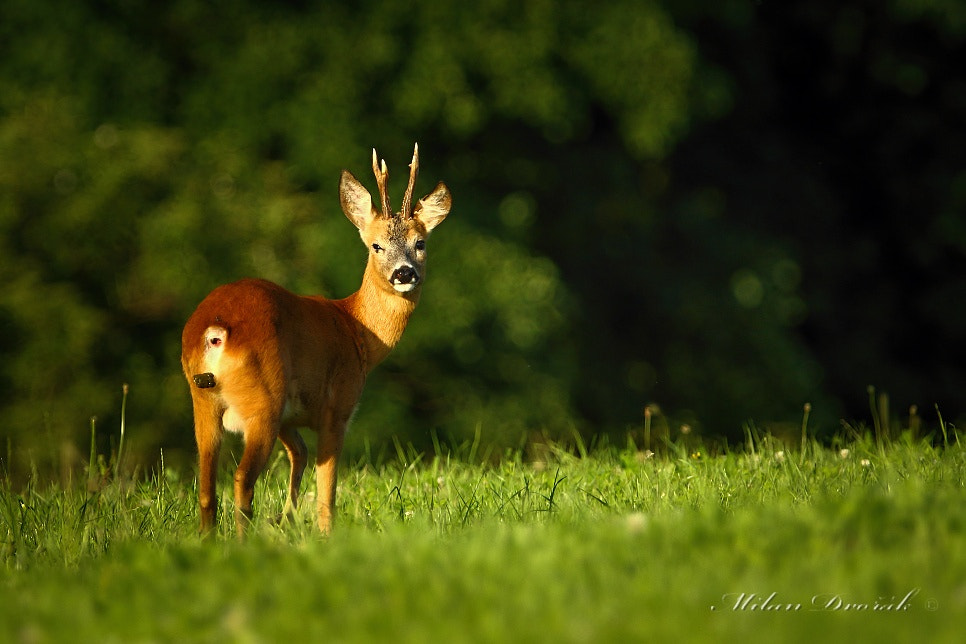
x=420, y=244
x=377, y=248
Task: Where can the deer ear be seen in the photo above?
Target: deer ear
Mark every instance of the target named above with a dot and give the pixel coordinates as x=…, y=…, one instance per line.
x=356, y=201
x=433, y=208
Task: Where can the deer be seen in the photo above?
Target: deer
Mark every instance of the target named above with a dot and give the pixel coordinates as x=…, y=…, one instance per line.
x=265, y=362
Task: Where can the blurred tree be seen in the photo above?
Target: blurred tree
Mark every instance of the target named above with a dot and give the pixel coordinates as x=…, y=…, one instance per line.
x=846, y=148
x=706, y=206
x=171, y=147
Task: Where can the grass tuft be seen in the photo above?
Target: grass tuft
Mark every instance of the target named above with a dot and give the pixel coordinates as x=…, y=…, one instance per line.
x=593, y=543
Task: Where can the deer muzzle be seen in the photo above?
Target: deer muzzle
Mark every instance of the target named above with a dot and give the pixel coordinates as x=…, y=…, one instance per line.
x=404, y=279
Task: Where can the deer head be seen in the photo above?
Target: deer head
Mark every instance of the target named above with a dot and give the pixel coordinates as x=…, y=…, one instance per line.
x=396, y=240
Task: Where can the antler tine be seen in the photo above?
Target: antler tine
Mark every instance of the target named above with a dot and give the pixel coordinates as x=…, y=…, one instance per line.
x=413, y=171
x=382, y=178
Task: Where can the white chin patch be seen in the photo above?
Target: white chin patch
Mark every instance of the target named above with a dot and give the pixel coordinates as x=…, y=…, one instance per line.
x=403, y=288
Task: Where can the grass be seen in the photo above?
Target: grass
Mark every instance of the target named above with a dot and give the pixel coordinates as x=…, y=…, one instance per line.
x=616, y=545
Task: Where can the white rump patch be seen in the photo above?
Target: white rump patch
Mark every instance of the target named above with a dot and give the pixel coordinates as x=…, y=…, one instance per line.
x=215, y=337
x=233, y=421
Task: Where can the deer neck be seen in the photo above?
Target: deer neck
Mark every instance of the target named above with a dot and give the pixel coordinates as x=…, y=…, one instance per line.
x=381, y=314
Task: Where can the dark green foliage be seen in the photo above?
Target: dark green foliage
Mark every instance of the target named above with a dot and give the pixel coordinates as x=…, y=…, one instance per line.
x=728, y=211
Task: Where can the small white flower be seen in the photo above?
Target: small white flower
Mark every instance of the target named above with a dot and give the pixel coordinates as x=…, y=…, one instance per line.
x=865, y=462
x=844, y=453
x=636, y=522
x=780, y=456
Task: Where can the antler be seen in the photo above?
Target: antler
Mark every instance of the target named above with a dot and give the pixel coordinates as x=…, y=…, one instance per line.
x=382, y=178
x=407, y=203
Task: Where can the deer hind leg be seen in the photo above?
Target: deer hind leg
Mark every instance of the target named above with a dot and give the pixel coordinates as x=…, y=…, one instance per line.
x=208, y=433
x=331, y=436
x=260, y=434
x=297, y=457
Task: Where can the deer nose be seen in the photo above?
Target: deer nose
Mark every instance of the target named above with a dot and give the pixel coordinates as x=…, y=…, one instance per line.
x=404, y=275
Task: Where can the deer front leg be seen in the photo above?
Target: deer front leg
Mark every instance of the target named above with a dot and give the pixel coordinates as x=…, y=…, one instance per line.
x=297, y=457
x=331, y=436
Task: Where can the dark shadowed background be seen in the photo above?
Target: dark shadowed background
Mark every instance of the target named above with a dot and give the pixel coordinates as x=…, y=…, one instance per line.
x=722, y=209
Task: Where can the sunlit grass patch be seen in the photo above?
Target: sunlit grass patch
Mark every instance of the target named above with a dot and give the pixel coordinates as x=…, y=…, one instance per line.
x=611, y=546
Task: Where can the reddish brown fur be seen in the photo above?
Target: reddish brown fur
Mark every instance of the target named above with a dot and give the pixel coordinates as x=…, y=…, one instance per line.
x=312, y=353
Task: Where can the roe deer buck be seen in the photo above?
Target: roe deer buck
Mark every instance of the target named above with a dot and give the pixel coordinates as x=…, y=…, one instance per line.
x=263, y=361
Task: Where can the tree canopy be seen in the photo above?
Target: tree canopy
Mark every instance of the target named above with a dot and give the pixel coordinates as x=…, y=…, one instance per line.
x=724, y=211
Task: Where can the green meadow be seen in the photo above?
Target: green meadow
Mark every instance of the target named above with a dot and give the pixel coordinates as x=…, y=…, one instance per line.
x=601, y=544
